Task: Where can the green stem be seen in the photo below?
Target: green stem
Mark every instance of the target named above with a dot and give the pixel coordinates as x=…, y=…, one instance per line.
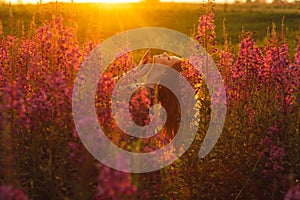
x=247, y=182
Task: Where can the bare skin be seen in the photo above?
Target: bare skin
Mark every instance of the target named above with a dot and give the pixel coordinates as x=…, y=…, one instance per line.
x=154, y=73
x=163, y=58
x=166, y=59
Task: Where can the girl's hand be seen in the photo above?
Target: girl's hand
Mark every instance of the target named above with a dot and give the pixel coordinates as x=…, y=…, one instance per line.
x=146, y=58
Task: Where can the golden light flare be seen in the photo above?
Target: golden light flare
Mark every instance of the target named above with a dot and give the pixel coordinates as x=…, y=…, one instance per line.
x=111, y=1
x=76, y=1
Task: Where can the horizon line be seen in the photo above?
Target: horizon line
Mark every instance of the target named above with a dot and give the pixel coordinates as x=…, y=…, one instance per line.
x=142, y=2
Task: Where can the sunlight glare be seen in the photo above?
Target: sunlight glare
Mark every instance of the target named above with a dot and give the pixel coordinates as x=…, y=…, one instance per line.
x=116, y=1
x=76, y=1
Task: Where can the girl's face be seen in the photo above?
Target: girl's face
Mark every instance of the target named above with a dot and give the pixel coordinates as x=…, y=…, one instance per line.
x=166, y=59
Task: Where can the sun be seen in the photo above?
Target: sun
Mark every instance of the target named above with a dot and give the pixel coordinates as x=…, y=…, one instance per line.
x=118, y=1
x=76, y=1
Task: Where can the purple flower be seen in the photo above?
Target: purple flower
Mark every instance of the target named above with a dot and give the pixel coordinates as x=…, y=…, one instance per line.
x=8, y=192
x=293, y=193
x=113, y=184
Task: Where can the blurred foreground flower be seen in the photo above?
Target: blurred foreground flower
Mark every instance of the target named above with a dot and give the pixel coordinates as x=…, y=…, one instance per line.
x=293, y=193
x=8, y=192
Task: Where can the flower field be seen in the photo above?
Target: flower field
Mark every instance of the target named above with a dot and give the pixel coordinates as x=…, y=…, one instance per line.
x=42, y=157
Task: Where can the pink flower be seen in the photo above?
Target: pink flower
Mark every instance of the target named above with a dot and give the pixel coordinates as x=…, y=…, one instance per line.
x=293, y=193
x=8, y=192
x=206, y=35
x=113, y=184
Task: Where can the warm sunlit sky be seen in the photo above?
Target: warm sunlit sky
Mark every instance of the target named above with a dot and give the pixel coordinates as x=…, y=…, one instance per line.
x=107, y=1
x=117, y=1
